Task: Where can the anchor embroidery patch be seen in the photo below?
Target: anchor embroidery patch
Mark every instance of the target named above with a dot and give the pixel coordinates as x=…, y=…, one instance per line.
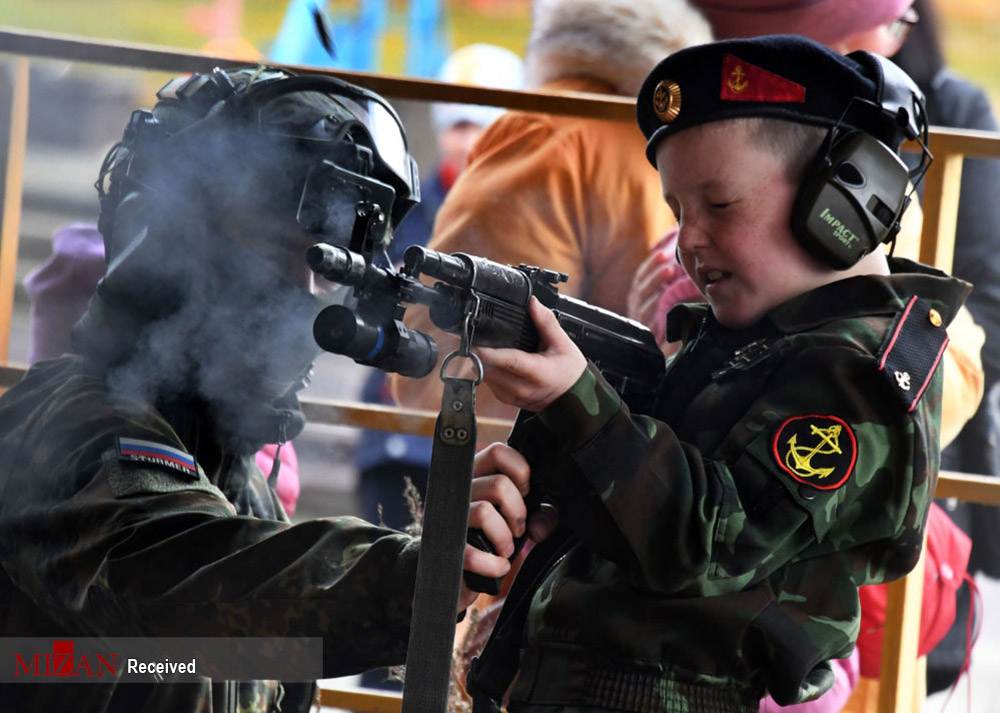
x=819, y=451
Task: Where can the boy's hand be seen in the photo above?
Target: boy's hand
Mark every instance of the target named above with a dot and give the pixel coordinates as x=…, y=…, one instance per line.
x=500, y=482
x=532, y=381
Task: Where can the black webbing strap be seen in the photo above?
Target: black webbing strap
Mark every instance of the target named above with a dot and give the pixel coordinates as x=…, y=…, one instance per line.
x=442, y=546
x=490, y=673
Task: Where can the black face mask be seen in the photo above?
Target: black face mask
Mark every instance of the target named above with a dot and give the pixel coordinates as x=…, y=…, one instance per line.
x=250, y=345
x=256, y=322
x=233, y=334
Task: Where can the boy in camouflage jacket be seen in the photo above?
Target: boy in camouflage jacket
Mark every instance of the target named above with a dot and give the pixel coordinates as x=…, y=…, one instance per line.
x=793, y=450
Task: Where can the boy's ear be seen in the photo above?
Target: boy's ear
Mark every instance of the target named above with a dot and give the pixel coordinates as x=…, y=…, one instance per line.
x=851, y=199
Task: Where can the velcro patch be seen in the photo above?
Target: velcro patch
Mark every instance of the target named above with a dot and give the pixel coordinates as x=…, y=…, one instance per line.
x=142, y=451
x=912, y=350
x=819, y=451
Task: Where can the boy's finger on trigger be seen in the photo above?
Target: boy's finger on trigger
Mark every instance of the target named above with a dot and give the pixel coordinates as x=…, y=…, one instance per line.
x=543, y=522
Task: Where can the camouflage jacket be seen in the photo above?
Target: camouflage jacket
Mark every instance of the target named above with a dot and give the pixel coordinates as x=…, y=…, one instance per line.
x=94, y=543
x=723, y=542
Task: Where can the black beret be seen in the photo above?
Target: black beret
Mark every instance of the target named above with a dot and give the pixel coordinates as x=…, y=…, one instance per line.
x=778, y=76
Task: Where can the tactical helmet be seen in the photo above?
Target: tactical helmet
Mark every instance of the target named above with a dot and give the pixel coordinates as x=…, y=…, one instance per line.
x=308, y=143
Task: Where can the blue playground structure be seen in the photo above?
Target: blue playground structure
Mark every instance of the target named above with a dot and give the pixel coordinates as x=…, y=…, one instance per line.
x=357, y=36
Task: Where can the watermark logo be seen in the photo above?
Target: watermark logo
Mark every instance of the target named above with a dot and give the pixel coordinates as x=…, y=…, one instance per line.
x=93, y=659
x=63, y=662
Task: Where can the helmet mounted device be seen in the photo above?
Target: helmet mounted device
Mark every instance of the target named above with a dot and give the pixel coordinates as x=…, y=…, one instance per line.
x=354, y=139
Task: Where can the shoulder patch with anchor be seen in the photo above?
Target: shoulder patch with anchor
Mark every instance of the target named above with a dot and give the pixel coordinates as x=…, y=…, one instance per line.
x=819, y=451
x=912, y=350
x=152, y=452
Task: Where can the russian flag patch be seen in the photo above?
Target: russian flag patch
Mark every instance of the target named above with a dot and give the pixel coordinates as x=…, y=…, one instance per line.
x=138, y=450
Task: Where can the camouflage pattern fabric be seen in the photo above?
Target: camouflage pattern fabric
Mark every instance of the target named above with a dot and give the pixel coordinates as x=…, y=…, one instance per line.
x=95, y=544
x=723, y=542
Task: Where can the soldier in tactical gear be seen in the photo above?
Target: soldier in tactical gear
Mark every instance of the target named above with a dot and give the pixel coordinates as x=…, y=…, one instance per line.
x=131, y=505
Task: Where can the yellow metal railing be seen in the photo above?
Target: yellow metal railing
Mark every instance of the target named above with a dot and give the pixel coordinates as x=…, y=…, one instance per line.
x=940, y=208
x=17, y=136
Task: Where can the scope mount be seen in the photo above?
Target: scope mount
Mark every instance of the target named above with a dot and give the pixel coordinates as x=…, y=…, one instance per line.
x=552, y=277
x=368, y=219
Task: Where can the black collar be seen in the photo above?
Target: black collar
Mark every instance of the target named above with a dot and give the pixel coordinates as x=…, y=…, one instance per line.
x=861, y=296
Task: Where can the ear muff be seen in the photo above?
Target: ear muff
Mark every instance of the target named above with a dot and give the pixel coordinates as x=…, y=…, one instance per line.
x=116, y=180
x=855, y=191
x=851, y=198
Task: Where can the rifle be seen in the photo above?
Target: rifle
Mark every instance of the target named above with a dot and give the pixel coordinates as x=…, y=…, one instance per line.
x=472, y=293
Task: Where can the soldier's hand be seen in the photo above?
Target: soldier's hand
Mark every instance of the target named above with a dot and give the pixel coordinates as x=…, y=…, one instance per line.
x=532, y=381
x=500, y=482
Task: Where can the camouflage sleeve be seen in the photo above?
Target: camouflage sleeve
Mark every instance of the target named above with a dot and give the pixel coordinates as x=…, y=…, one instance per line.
x=141, y=552
x=820, y=458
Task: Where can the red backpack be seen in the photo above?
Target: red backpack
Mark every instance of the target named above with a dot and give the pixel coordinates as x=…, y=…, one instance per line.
x=947, y=559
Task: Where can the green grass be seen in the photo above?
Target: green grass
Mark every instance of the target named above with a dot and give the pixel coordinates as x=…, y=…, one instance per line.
x=509, y=30
x=973, y=50
x=166, y=22
x=154, y=21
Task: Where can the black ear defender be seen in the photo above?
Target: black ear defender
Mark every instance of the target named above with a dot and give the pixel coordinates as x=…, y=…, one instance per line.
x=113, y=182
x=855, y=190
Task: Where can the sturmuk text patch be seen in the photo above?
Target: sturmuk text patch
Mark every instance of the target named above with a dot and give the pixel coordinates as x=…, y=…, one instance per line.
x=819, y=451
x=138, y=450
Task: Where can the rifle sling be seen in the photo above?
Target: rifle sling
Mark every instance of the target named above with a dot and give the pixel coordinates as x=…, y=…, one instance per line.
x=442, y=547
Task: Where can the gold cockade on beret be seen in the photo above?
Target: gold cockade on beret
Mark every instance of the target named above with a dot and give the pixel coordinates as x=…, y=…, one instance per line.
x=667, y=100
